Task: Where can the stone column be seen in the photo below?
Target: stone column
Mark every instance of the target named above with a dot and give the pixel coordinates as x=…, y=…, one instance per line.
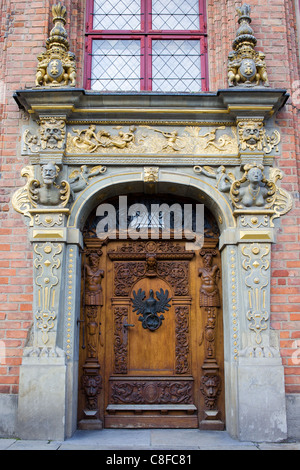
x=48, y=374
x=255, y=394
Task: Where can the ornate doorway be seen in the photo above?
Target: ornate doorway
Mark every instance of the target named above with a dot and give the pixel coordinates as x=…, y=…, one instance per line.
x=151, y=342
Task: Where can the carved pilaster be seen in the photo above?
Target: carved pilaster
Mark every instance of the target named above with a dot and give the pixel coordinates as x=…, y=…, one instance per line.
x=91, y=380
x=210, y=385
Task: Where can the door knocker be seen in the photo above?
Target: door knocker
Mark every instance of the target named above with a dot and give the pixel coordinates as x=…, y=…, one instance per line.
x=149, y=308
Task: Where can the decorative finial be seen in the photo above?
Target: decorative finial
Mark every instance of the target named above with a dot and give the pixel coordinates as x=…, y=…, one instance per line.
x=57, y=66
x=246, y=67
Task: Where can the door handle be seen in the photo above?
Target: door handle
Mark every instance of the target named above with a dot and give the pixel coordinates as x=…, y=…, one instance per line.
x=127, y=325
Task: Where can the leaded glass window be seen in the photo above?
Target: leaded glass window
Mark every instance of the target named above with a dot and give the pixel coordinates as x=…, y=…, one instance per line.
x=157, y=45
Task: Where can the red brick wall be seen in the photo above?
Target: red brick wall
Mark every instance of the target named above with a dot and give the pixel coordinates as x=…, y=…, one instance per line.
x=24, y=28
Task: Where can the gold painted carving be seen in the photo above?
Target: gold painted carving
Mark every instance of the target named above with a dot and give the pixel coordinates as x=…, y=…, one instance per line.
x=88, y=140
x=252, y=136
x=45, y=262
x=56, y=67
x=20, y=200
x=80, y=179
x=223, y=180
x=151, y=174
x=246, y=67
x=257, y=263
x=283, y=202
x=149, y=140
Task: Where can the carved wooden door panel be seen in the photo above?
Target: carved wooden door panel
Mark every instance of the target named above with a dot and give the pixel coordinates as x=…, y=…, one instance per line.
x=153, y=352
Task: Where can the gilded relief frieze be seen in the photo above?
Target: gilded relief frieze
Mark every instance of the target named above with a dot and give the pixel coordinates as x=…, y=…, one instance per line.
x=145, y=139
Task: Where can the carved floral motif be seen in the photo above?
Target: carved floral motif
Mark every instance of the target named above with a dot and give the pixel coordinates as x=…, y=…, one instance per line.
x=121, y=340
x=182, y=348
x=256, y=263
x=47, y=262
x=150, y=392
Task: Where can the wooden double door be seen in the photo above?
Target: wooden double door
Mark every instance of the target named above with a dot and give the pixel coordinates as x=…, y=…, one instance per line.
x=151, y=340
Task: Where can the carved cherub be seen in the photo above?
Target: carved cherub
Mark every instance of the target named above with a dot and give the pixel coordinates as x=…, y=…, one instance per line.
x=123, y=139
x=224, y=180
x=79, y=179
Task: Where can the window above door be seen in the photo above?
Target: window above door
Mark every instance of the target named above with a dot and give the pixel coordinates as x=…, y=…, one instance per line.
x=146, y=45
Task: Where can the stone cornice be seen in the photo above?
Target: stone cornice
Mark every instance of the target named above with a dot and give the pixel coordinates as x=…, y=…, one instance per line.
x=224, y=105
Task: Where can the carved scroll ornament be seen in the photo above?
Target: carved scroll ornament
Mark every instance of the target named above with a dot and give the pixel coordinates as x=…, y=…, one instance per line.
x=256, y=263
x=47, y=263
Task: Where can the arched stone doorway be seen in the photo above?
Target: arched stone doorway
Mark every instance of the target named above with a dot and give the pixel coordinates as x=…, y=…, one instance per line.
x=250, y=352
x=254, y=384
x=165, y=366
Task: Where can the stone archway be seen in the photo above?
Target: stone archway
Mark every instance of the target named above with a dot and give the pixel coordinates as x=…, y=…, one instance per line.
x=57, y=208
x=249, y=355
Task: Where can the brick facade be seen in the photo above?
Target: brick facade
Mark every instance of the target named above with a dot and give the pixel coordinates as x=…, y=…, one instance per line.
x=24, y=27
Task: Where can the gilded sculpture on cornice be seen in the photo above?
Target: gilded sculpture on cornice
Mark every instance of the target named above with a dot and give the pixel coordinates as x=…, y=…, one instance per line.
x=56, y=67
x=246, y=67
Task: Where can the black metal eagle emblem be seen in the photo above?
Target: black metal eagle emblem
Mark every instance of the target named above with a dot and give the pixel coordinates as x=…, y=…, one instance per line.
x=149, y=308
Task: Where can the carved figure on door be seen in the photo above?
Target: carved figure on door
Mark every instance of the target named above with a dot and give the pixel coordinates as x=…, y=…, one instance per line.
x=209, y=274
x=94, y=275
